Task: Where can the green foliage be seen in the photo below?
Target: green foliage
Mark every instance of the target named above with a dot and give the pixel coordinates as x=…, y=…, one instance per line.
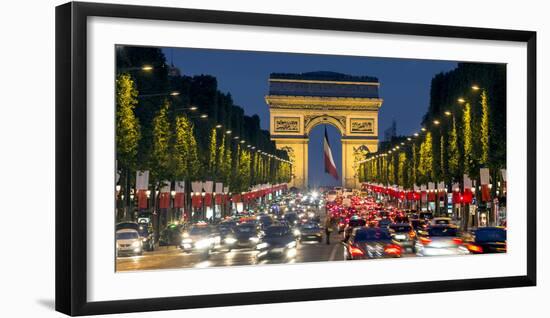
x=467, y=139
x=401, y=169
x=484, y=128
x=212, y=163
x=227, y=163
x=185, y=149
x=127, y=125
x=160, y=158
x=244, y=170
x=220, y=165
x=443, y=158
x=453, y=157
x=426, y=159
x=414, y=168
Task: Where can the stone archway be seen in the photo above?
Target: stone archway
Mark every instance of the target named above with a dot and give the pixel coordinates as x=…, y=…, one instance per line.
x=299, y=102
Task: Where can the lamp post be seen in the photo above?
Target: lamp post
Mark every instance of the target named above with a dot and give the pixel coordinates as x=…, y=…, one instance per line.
x=173, y=213
x=118, y=201
x=203, y=214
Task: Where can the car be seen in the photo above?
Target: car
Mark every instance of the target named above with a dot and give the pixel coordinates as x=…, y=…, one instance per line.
x=426, y=215
x=144, y=230
x=201, y=238
x=291, y=217
x=264, y=221
x=171, y=235
x=128, y=242
x=244, y=235
x=439, y=240
x=441, y=221
x=404, y=235
x=369, y=243
x=353, y=223
x=419, y=224
x=401, y=218
x=310, y=231
x=225, y=229
x=278, y=241
x=486, y=240
x=384, y=222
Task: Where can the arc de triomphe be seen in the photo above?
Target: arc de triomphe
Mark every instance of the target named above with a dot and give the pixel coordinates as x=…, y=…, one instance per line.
x=299, y=102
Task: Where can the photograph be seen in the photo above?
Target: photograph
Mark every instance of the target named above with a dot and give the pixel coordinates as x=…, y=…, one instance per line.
x=239, y=158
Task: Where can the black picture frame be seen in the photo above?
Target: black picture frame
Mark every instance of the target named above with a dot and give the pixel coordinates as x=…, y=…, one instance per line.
x=71, y=157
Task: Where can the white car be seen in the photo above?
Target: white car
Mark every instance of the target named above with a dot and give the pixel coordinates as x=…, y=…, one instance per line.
x=439, y=240
x=128, y=242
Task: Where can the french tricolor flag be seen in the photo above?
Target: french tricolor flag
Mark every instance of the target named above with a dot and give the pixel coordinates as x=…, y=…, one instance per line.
x=330, y=167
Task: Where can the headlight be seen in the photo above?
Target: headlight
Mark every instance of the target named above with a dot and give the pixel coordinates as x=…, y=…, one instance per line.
x=136, y=244
x=296, y=232
x=185, y=235
x=187, y=240
x=291, y=244
x=203, y=243
x=262, y=245
x=230, y=240
x=254, y=239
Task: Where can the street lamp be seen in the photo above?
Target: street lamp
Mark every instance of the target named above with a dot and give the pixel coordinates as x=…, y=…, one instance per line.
x=461, y=100
x=204, y=116
x=423, y=129
x=228, y=132
x=475, y=87
x=172, y=93
x=144, y=68
x=218, y=126
x=447, y=113
x=436, y=122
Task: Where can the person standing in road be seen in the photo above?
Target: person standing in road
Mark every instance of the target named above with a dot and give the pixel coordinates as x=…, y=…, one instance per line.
x=328, y=228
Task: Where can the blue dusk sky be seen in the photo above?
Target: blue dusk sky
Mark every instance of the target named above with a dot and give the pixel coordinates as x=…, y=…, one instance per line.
x=404, y=87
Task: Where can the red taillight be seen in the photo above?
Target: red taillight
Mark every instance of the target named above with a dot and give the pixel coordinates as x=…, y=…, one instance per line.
x=392, y=249
x=425, y=240
x=355, y=251
x=457, y=241
x=474, y=248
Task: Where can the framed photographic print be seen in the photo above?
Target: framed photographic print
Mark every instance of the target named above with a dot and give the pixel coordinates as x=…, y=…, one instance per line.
x=208, y=158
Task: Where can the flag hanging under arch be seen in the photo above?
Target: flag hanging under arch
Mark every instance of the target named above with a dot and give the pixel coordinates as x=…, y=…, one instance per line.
x=330, y=167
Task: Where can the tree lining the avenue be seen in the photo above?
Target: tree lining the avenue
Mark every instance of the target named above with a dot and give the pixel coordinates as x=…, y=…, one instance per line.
x=183, y=128
x=463, y=130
